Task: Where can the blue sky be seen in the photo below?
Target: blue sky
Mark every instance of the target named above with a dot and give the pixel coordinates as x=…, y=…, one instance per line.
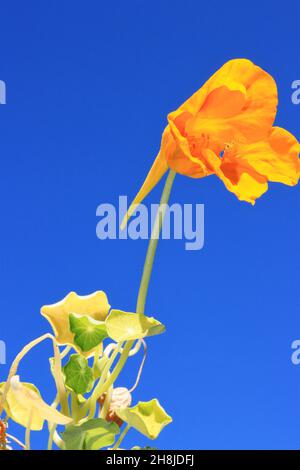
x=89, y=86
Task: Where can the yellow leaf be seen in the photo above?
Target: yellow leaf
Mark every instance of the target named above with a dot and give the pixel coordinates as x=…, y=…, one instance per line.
x=95, y=306
x=126, y=326
x=148, y=417
x=24, y=400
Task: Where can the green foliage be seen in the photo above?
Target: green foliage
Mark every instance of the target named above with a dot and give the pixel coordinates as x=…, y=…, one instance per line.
x=149, y=418
x=91, y=435
x=89, y=333
x=126, y=326
x=78, y=375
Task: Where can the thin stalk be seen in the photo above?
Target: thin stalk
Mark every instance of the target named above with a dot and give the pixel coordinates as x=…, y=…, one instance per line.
x=51, y=436
x=92, y=402
x=65, y=352
x=97, y=354
x=120, y=364
x=13, y=438
x=148, y=266
x=143, y=290
x=74, y=407
x=28, y=429
x=106, y=404
x=117, y=444
x=52, y=427
x=58, y=441
x=104, y=385
x=140, y=368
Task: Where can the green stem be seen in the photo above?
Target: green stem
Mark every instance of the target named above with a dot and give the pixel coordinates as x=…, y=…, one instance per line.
x=106, y=404
x=120, y=364
x=142, y=295
x=148, y=266
x=74, y=407
x=117, y=444
x=92, y=402
x=97, y=354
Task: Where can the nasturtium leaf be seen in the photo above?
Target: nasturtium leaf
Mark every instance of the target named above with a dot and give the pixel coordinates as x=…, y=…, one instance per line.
x=20, y=412
x=149, y=418
x=95, y=306
x=91, y=435
x=88, y=332
x=24, y=402
x=78, y=375
x=125, y=326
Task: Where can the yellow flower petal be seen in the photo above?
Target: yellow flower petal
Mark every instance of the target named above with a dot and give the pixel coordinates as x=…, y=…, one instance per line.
x=237, y=104
x=276, y=158
x=244, y=181
x=94, y=305
x=245, y=169
x=240, y=94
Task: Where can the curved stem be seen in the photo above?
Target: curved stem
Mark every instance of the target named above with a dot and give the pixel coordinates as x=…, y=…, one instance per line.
x=65, y=352
x=141, y=367
x=126, y=429
x=120, y=364
x=148, y=266
x=57, y=371
x=112, y=346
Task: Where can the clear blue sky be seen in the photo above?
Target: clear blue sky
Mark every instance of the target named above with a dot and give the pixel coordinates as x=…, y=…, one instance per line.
x=89, y=86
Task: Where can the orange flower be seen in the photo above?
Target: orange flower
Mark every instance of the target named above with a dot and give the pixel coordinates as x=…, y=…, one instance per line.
x=225, y=129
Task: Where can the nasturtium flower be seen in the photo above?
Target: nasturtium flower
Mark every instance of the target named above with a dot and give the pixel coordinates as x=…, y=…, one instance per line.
x=148, y=417
x=24, y=403
x=225, y=128
x=95, y=306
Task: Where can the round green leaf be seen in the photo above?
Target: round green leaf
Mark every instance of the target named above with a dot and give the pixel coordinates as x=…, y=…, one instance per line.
x=78, y=375
x=91, y=435
x=149, y=418
x=88, y=332
x=125, y=326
